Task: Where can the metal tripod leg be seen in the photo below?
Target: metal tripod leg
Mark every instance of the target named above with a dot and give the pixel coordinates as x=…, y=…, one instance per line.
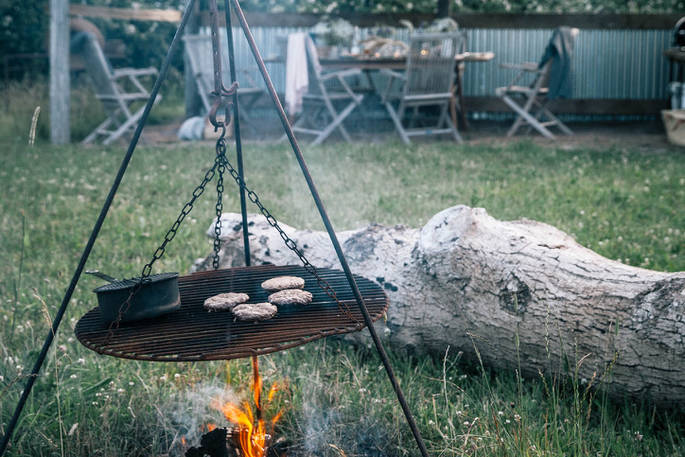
x=96, y=229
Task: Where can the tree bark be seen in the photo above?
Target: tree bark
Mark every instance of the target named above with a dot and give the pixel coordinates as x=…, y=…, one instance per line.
x=518, y=294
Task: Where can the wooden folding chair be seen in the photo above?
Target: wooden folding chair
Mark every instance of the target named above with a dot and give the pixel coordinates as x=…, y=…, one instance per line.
x=199, y=51
x=117, y=89
x=530, y=102
x=428, y=81
x=325, y=90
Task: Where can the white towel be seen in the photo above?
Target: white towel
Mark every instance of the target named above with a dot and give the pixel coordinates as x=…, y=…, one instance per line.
x=296, y=77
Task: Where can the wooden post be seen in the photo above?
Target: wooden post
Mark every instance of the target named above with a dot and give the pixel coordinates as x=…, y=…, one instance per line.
x=59, y=71
x=193, y=102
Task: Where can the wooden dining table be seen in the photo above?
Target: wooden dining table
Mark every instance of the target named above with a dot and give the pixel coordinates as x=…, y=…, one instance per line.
x=370, y=63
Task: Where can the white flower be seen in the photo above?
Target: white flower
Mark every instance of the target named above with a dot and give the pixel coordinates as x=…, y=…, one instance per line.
x=81, y=360
x=73, y=376
x=177, y=376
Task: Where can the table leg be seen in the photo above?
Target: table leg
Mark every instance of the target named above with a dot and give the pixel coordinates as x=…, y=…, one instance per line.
x=459, y=97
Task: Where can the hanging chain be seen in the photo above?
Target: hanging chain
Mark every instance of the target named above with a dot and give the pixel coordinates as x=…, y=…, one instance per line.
x=221, y=168
x=187, y=208
x=221, y=164
x=289, y=242
x=171, y=233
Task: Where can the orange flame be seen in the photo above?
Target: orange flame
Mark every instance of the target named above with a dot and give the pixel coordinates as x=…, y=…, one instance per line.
x=252, y=433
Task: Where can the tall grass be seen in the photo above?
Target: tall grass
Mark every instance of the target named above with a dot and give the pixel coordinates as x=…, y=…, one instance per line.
x=20, y=99
x=625, y=204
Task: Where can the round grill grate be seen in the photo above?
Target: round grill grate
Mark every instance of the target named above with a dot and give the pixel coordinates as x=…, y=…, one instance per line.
x=192, y=334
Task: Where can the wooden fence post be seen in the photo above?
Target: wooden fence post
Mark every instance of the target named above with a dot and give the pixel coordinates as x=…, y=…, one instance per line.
x=59, y=71
x=193, y=103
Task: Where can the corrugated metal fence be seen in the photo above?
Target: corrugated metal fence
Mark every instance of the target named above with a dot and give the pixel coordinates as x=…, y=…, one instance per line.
x=607, y=64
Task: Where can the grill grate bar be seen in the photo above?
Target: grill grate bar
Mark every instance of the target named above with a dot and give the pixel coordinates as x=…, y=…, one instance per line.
x=192, y=334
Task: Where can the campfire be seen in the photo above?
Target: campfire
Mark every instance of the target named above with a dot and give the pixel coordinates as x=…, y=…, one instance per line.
x=251, y=433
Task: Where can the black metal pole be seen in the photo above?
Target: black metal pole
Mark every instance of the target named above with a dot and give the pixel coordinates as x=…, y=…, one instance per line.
x=236, y=128
x=329, y=227
x=96, y=230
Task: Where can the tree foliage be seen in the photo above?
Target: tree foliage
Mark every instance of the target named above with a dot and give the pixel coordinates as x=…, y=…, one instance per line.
x=24, y=24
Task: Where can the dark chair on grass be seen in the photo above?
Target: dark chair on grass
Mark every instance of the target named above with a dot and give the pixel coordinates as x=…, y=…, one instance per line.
x=326, y=94
x=428, y=81
x=551, y=78
x=199, y=51
x=121, y=90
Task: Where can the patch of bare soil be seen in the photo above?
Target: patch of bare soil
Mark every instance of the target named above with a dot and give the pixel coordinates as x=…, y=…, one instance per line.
x=644, y=135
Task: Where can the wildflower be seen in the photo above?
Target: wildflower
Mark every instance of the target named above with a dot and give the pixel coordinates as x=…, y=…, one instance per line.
x=507, y=421
x=63, y=348
x=73, y=376
x=177, y=376
x=81, y=360
x=120, y=390
x=500, y=413
x=517, y=418
x=430, y=422
x=466, y=423
x=131, y=383
x=163, y=378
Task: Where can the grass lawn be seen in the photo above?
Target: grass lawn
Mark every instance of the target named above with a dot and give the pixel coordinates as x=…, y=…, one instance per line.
x=626, y=205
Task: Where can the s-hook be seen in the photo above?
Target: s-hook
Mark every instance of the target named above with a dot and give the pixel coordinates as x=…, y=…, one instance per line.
x=224, y=97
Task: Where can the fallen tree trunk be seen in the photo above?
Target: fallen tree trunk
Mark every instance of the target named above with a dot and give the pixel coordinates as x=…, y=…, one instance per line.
x=522, y=292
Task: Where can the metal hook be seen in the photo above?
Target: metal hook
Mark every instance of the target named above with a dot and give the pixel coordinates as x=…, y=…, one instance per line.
x=225, y=97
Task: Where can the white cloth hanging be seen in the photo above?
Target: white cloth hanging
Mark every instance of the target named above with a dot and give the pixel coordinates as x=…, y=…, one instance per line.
x=296, y=77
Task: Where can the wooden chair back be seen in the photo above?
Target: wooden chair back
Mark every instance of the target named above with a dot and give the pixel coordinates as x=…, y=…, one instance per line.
x=101, y=73
x=431, y=63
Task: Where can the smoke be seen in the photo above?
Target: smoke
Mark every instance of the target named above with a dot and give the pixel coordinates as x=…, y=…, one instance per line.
x=330, y=425
x=187, y=413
